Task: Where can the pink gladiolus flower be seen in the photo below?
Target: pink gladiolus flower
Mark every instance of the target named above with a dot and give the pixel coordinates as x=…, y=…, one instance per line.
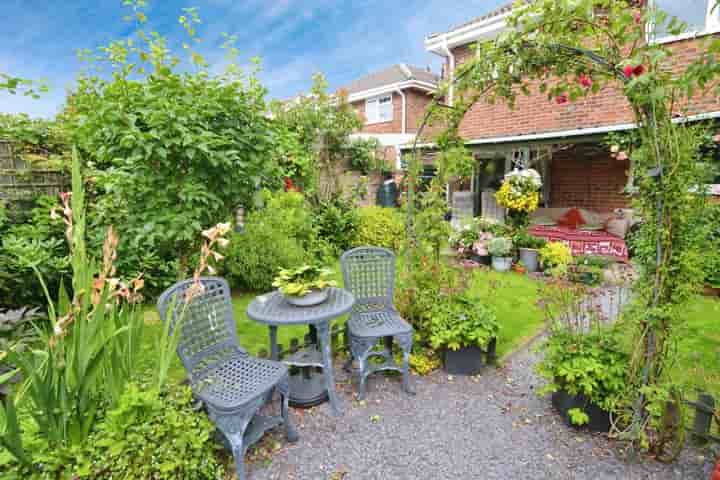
x=716, y=138
x=638, y=17
x=622, y=156
x=628, y=71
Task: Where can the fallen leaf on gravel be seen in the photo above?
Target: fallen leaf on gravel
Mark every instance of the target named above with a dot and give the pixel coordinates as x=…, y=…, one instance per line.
x=375, y=418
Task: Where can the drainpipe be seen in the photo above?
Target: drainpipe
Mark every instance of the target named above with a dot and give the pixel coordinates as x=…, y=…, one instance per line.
x=451, y=92
x=404, y=109
x=451, y=66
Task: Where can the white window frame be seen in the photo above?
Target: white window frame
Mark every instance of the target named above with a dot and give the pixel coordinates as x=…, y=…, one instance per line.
x=712, y=25
x=372, y=109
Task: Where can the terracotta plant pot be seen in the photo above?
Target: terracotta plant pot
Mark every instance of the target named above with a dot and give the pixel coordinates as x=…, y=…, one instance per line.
x=711, y=291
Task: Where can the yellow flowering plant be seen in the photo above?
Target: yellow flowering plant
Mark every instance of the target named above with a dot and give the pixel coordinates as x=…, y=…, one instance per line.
x=555, y=256
x=520, y=191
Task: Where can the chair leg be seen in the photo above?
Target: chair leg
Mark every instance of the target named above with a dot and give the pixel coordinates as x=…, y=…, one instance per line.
x=405, y=342
x=361, y=347
x=291, y=433
x=233, y=427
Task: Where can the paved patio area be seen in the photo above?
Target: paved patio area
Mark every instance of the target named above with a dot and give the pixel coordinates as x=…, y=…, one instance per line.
x=490, y=427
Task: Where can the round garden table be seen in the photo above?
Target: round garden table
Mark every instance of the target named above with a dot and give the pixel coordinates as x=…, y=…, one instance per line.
x=274, y=311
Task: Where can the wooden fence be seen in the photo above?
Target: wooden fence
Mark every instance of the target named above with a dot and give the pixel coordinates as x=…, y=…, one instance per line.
x=19, y=182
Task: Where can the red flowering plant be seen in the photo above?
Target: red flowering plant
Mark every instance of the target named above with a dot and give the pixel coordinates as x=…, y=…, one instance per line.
x=571, y=49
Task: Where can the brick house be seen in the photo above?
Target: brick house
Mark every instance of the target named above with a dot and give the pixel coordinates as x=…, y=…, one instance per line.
x=564, y=142
x=391, y=103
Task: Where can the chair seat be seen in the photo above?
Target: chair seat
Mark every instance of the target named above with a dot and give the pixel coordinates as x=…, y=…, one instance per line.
x=238, y=381
x=379, y=323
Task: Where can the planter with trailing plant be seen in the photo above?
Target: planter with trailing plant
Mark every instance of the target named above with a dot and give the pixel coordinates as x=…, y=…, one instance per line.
x=501, y=251
x=528, y=250
x=465, y=331
x=586, y=374
x=304, y=286
x=555, y=258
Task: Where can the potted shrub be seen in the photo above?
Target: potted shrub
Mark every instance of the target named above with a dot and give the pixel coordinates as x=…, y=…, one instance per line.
x=586, y=374
x=464, y=239
x=465, y=330
x=501, y=251
x=529, y=249
x=555, y=257
x=304, y=286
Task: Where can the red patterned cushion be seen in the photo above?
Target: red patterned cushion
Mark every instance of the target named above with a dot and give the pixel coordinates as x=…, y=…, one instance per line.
x=572, y=218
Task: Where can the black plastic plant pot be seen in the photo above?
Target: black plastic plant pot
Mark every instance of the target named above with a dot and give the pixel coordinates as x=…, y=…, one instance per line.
x=465, y=361
x=564, y=402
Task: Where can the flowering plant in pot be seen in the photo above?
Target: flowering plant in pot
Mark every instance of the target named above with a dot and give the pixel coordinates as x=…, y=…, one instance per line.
x=466, y=331
x=520, y=194
x=555, y=257
x=304, y=286
x=501, y=251
x=528, y=249
x=584, y=361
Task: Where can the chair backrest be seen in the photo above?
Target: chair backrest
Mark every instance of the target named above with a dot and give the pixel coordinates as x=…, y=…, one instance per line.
x=369, y=274
x=208, y=334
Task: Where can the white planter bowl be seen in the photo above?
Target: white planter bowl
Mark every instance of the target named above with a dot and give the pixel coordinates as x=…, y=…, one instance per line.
x=502, y=264
x=316, y=297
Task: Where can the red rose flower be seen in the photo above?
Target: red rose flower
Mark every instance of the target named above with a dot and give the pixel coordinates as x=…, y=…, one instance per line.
x=639, y=70
x=628, y=71
x=585, y=80
x=562, y=98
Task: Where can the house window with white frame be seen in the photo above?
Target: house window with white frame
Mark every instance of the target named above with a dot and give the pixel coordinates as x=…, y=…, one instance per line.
x=379, y=109
x=700, y=16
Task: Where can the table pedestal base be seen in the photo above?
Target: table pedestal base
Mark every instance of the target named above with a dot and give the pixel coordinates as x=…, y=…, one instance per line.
x=307, y=389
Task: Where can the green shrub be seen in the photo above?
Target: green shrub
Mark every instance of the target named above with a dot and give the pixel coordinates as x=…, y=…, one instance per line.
x=145, y=436
x=458, y=321
x=380, y=227
x=31, y=239
x=336, y=222
x=590, y=364
x=255, y=256
x=712, y=248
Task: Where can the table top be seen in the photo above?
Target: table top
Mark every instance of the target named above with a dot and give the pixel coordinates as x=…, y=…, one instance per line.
x=273, y=309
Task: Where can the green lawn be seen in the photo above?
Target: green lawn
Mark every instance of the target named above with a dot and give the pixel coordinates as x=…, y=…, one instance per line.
x=698, y=348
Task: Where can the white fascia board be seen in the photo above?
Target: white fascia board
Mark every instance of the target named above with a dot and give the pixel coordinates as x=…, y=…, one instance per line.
x=486, y=29
x=580, y=132
x=386, y=139
x=390, y=88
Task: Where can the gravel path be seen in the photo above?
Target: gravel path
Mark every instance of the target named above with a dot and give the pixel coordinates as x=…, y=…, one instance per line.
x=489, y=427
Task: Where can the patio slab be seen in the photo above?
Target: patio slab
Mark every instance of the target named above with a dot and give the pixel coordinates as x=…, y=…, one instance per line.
x=489, y=427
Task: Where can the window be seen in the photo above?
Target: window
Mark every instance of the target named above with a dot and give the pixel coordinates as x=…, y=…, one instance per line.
x=698, y=15
x=379, y=109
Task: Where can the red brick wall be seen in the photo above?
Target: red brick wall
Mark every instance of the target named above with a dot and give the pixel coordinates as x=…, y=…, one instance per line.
x=394, y=126
x=588, y=177
x=416, y=103
x=537, y=114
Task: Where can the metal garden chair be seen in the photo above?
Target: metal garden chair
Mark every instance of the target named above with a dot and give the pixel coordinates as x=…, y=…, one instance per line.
x=232, y=385
x=369, y=274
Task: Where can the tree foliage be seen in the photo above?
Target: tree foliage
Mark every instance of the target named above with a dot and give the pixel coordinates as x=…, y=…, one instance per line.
x=171, y=148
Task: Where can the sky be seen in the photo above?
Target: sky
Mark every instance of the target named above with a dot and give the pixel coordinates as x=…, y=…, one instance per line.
x=294, y=39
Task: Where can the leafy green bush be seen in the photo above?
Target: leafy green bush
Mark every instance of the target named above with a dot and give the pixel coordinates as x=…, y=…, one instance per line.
x=380, y=227
x=336, y=222
x=34, y=239
x=255, y=256
x=145, y=436
x=590, y=364
x=458, y=321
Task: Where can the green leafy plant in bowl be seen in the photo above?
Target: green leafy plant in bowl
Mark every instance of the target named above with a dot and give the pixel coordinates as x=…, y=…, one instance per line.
x=459, y=321
x=306, y=285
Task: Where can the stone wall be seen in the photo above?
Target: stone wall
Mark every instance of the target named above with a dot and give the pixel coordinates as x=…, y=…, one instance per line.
x=19, y=182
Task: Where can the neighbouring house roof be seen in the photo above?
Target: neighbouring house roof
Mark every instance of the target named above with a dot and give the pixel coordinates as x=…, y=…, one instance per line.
x=490, y=15
x=392, y=78
x=483, y=27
